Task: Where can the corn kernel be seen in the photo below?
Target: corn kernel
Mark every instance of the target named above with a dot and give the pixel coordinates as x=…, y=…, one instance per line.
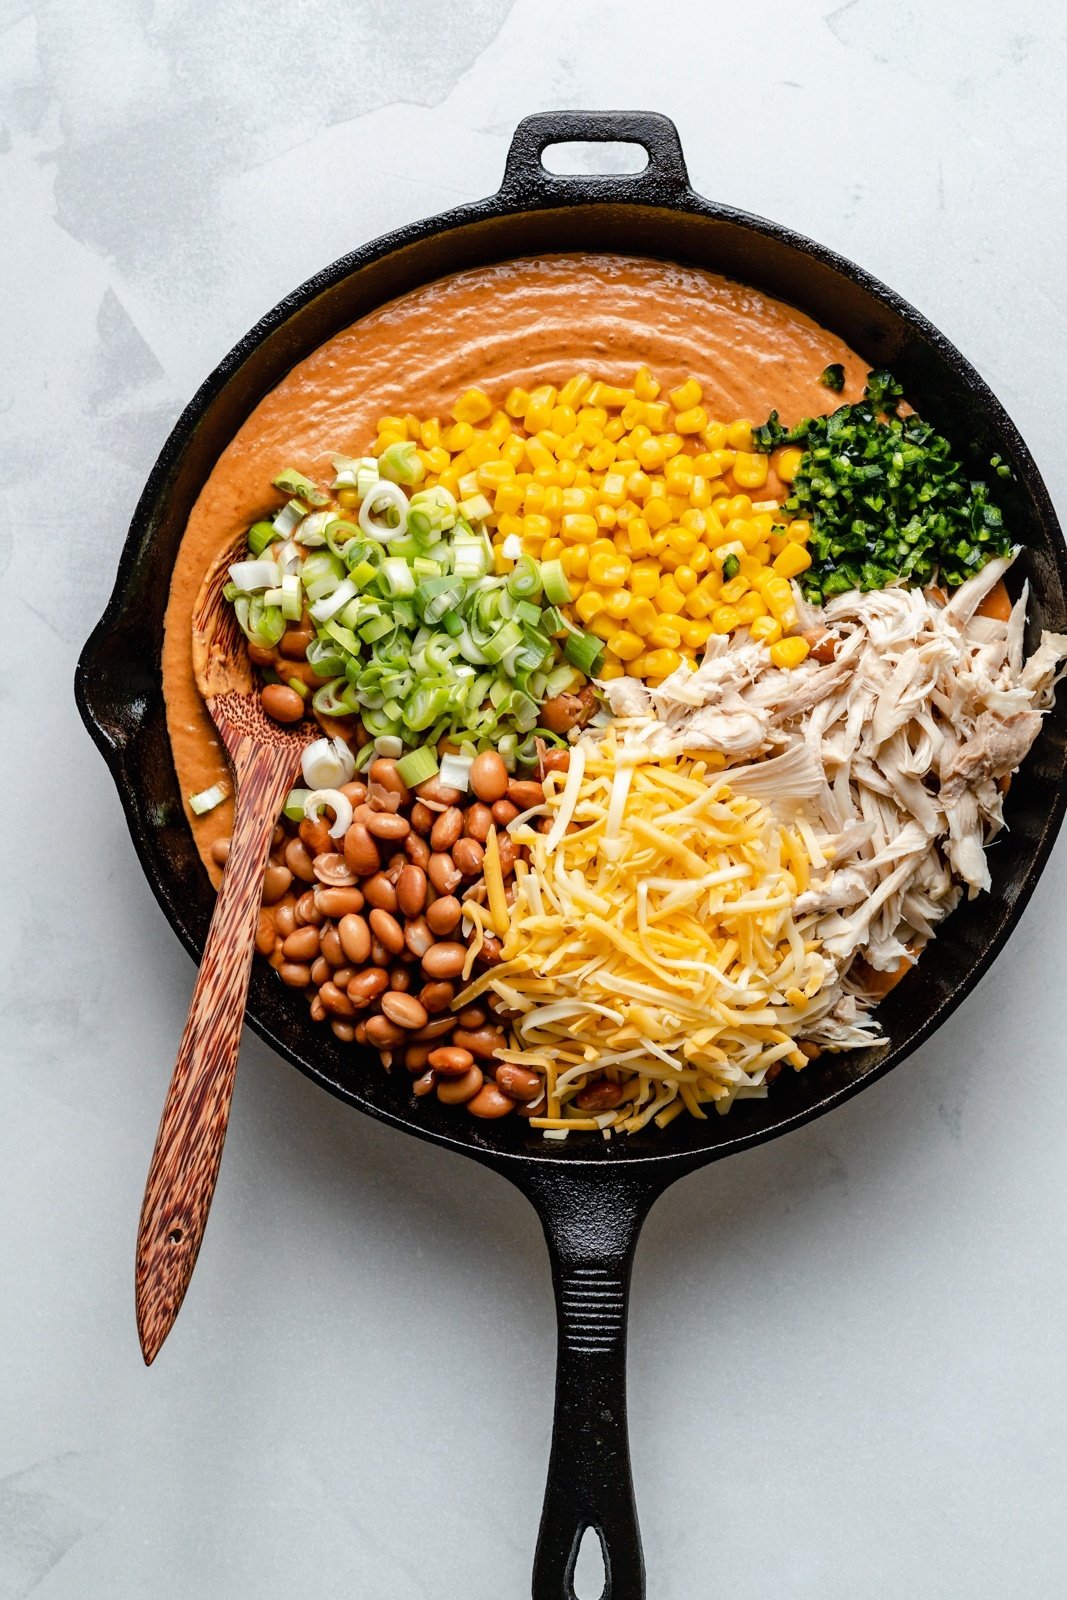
x=642, y=615
x=606, y=394
x=645, y=385
x=578, y=527
x=516, y=403
x=661, y=663
x=750, y=470
x=575, y=561
x=793, y=560
x=732, y=591
x=575, y=389
x=685, y=579
x=611, y=669
x=606, y=516
x=686, y=395
x=665, y=636
x=513, y=449
x=611, y=571
x=492, y=474
x=588, y=604
x=698, y=604
x=458, y=437
x=618, y=603
x=787, y=653
x=739, y=435
x=668, y=599
x=683, y=541
x=696, y=634
x=636, y=667
x=644, y=579
x=750, y=606
x=539, y=411
x=604, y=627
x=765, y=630
x=691, y=421
x=724, y=619
x=786, y=462
x=650, y=454
x=799, y=531
x=700, y=558
x=474, y=406
x=508, y=524
x=625, y=645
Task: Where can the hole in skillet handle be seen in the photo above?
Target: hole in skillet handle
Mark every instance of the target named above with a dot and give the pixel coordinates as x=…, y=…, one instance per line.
x=664, y=179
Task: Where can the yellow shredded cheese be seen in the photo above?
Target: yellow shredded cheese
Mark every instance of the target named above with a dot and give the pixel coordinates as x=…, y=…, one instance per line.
x=650, y=947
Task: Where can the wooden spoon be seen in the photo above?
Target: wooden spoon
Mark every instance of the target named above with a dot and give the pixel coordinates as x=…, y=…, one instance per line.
x=185, y=1163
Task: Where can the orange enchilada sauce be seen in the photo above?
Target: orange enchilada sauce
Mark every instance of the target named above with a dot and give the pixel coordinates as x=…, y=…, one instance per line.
x=523, y=322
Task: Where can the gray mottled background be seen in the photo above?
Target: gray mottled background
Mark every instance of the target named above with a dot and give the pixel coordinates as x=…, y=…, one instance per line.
x=847, y=1374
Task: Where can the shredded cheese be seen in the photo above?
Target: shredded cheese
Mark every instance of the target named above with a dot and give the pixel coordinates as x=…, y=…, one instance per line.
x=650, y=948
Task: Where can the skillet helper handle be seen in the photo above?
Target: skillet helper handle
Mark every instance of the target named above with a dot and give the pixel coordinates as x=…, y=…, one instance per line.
x=592, y=1219
x=185, y=1162
x=527, y=181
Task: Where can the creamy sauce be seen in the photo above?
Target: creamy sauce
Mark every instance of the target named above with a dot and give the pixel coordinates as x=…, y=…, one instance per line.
x=522, y=322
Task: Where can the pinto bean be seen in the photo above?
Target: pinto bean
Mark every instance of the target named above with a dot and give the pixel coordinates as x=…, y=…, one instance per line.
x=444, y=874
x=489, y=776
x=293, y=644
x=447, y=829
x=423, y=1085
x=336, y=1000
x=315, y=832
x=307, y=909
x=383, y=771
x=468, y=856
x=436, y=1028
x=437, y=995
x=361, y=852
x=331, y=947
x=317, y=1009
x=404, y=1009
x=321, y=971
x=345, y=1031
x=367, y=986
x=449, y=1062
x=490, y=1103
x=388, y=825
x=504, y=812
x=383, y=1033
x=333, y=870
x=411, y=890
x=525, y=792
x=380, y=956
x=302, y=945
x=422, y=818
x=220, y=851
x=417, y=851
x=478, y=821
x=338, y=902
x=295, y=974
x=401, y=978
x=434, y=792
x=266, y=936
x=508, y=851
x=380, y=893
x=417, y=937
x=281, y=703
x=416, y=1057
x=387, y=930
x=444, y=960
x=276, y=881
x=284, y=919
x=443, y=915
x=555, y=761
x=355, y=793
x=354, y=935
x=482, y=1042
x=459, y=1091
x=471, y=1017
x=600, y=1095
x=298, y=860
x=518, y=1082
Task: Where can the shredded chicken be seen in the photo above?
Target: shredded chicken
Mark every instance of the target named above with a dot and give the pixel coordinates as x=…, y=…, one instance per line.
x=891, y=747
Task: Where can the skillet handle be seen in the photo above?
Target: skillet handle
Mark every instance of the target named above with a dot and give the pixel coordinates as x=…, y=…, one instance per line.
x=592, y=1217
x=664, y=181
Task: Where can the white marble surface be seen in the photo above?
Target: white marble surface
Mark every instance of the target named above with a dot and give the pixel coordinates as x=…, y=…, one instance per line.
x=847, y=1373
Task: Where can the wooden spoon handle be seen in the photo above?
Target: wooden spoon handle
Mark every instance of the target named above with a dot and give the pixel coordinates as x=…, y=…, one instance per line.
x=185, y=1162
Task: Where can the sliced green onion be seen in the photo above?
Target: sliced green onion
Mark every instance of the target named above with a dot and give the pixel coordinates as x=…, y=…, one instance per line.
x=417, y=766
x=554, y=579
x=208, y=799
x=387, y=744
x=311, y=533
x=292, y=601
x=260, y=535
x=298, y=686
x=252, y=575
x=384, y=513
x=476, y=507
x=330, y=604
x=293, y=809
x=397, y=577
x=584, y=651
x=399, y=463
x=524, y=580
x=292, y=482
x=289, y=517
x=455, y=771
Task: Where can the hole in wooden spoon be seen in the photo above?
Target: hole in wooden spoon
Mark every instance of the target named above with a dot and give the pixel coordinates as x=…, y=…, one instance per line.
x=175, y=1236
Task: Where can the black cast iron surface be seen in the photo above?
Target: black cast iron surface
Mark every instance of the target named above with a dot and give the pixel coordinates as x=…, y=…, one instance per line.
x=592, y=1197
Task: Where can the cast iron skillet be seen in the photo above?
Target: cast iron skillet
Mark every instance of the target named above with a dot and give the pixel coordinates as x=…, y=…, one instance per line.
x=591, y=1197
